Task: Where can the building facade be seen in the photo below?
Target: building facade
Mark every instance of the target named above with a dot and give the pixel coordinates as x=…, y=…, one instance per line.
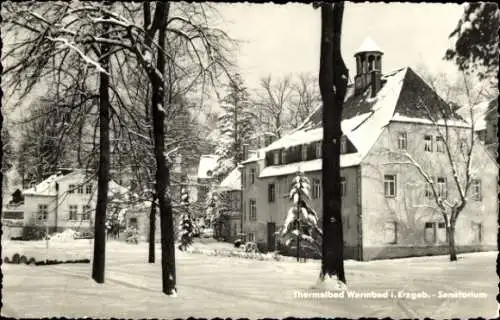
x=393, y=128
x=64, y=201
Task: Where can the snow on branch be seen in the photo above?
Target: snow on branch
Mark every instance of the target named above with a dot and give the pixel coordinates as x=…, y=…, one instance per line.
x=87, y=59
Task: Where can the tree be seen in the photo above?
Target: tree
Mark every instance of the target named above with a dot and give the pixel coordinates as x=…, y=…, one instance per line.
x=333, y=77
x=274, y=105
x=301, y=222
x=476, y=40
x=104, y=162
x=235, y=125
x=305, y=98
x=452, y=183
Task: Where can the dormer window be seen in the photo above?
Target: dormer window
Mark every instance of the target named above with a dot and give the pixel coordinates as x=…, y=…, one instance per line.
x=343, y=145
x=304, y=152
x=276, y=157
x=317, y=149
x=283, y=156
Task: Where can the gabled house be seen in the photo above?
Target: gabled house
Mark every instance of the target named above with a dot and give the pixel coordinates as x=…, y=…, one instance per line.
x=65, y=201
x=229, y=191
x=387, y=209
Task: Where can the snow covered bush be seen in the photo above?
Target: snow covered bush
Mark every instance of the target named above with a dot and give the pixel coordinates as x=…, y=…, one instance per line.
x=301, y=223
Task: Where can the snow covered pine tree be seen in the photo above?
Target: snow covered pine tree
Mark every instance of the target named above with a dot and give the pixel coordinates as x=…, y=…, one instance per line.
x=301, y=222
x=186, y=224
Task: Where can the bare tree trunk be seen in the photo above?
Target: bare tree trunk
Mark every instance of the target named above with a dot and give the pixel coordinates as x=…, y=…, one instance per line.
x=152, y=230
x=451, y=241
x=104, y=164
x=333, y=86
x=162, y=171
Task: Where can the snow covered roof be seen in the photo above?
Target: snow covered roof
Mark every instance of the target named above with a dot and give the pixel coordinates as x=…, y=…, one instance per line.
x=479, y=113
x=368, y=45
x=364, y=119
x=232, y=181
x=346, y=160
x=48, y=186
x=208, y=163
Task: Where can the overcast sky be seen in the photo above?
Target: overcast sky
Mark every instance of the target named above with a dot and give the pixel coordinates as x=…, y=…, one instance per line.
x=283, y=39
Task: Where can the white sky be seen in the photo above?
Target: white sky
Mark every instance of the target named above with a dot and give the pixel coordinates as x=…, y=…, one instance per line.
x=284, y=39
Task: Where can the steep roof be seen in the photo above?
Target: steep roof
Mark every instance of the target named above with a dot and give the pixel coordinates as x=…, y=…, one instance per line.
x=47, y=186
x=232, y=181
x=208, y=163
x=368, y=45
x=402, y=98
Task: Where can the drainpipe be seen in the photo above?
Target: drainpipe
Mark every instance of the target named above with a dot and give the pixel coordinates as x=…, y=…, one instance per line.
x=57, y=206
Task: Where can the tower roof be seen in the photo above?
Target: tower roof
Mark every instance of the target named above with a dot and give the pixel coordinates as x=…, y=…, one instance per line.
x=368, y=45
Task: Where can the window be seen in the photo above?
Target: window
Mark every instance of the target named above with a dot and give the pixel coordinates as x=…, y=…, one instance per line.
x=428, y=194
x=73, y=212
x=441, y=188
x=71, y=188
x=402, y=141
x=80, y=189
x=389, y=185
x=304, y=152
x=440, y=144
x=43, y=211
x=435, y=232
x=88, y=188
x=252, y=210
x=441, y=232
x=85, y=213
x=476, y=190
x=481, y=135
x=428, y=143
x=316, y=189
x=477, y=230
x=252, y=176
x=271, y=192
x=343, y=186
x=429, y=234
x=251, y=236
x=235, y=232
x=283, y=156
x=276, y=157
x=343, y=145
x=244, y=211
x=243, y=177
x=390, y=232
x=14, y=215
x=317, y=149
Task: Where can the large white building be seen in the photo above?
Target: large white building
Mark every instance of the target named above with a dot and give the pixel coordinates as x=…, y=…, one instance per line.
x=62, y=201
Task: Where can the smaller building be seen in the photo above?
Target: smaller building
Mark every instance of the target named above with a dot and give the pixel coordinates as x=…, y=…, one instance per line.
x=65, y=200
x=229, y=191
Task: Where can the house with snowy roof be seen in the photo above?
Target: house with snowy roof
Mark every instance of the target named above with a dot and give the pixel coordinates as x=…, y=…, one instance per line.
x=387, y=207
x=65, y=200
x=229, y=191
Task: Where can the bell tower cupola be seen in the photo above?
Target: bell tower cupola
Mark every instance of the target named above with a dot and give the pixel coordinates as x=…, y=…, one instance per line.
x=368, y=67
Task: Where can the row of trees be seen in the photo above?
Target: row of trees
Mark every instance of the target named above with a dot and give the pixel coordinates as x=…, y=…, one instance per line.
x=121, y=72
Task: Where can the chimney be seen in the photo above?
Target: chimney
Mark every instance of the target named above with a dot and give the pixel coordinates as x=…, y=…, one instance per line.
x=245, y=152
x=374, y=82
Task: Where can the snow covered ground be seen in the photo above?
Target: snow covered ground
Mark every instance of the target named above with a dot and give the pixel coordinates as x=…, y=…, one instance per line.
x=211, y=286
